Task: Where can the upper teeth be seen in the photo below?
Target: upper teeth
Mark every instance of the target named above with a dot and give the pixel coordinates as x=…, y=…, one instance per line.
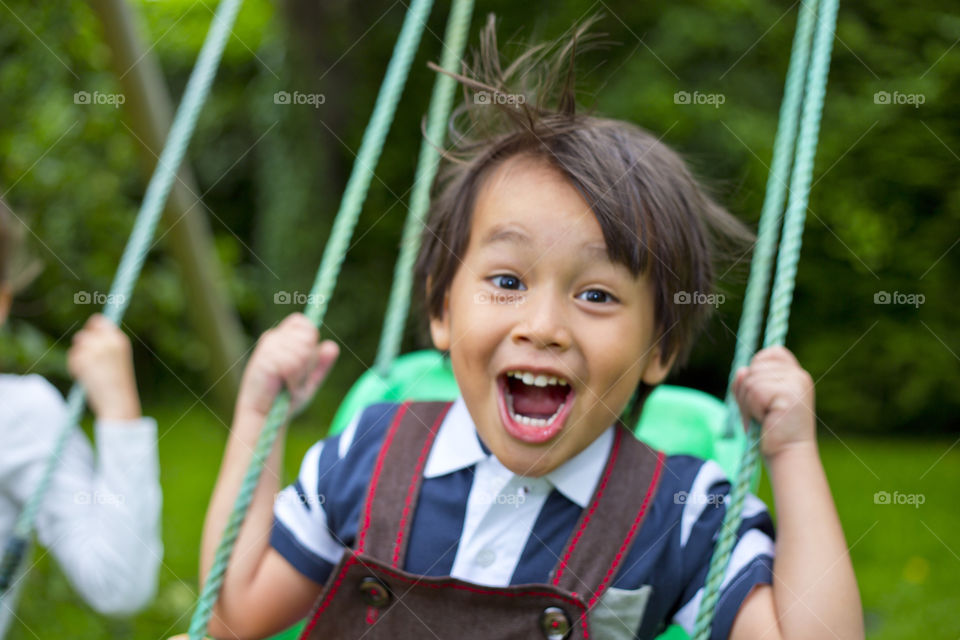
x=538, y=380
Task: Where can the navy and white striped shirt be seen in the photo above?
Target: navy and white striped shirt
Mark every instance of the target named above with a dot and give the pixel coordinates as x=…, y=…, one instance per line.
x=477, y=521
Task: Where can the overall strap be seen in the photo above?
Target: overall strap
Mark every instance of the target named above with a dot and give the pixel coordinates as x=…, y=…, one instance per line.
x=609, y=524
x=387, y=513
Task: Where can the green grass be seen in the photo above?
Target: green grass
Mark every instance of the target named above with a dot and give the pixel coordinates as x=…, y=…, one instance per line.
x=907, y=558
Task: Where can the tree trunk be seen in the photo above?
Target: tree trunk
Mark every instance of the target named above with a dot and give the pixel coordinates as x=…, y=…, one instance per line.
x=188, y=236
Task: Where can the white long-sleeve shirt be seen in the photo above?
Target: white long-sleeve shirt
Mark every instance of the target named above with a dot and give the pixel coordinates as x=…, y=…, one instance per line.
x=101, y=516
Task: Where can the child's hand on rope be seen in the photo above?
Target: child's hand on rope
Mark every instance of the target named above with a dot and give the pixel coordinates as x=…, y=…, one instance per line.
x=286, y=356
x=101, y=360
x=777, y=392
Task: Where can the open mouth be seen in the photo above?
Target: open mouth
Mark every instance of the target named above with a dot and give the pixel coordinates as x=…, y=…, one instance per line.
x=533, y=406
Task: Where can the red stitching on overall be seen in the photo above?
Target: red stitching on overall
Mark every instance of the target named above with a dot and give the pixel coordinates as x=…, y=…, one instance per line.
x=414, y=483
x=590, y=511
x=375, y=478
x=621, y=552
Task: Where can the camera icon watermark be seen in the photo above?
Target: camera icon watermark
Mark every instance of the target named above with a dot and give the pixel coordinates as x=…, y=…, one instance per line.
x=913, y=499
x=685, y=497
x=312, y=99
x=297, y=297
x=513, y=499
x=698, y=297
x=711, y=99
x=112, y=99
x=486, y=97
x=98, y=497
x=499, y=297
x=300, y=499
x=886, y=97
x=98, y=298
x=912, y=299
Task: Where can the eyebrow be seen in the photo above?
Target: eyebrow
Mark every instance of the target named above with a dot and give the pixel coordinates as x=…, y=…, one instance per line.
x=507, y=234
x=597, y=251
x=512, y=235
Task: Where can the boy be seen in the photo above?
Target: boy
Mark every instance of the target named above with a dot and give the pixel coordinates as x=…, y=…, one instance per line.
x=100, y=518
x=550, y=266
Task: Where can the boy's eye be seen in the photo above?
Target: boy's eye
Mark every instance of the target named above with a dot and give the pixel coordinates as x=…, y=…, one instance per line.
x=597, y=295
x=507, y=282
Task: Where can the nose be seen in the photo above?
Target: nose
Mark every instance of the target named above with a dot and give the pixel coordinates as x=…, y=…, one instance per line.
x=543, y=323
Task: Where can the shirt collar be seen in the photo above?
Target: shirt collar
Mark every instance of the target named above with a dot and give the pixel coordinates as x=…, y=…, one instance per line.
x=457, y=446
x=577, y=477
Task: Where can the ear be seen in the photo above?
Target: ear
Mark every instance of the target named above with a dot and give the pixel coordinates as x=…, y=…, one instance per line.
x=440, y=325
x=657, y=368
x=6, y=298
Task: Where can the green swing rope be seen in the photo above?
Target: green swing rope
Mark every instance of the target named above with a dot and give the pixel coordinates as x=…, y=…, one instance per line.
x=784, y=279
x=441, y=102
x=134, y=254
x=758, y=284
x=333, y=255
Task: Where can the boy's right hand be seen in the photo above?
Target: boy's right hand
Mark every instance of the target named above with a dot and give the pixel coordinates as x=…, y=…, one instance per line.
x=287, y=355
x=100, y=359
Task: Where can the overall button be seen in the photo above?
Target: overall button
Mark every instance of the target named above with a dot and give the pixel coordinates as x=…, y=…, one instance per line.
x=554, y=623
x=374, y=592
x=486, y=557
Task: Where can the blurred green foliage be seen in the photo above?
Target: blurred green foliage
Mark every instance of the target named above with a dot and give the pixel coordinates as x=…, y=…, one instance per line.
x=882, y=218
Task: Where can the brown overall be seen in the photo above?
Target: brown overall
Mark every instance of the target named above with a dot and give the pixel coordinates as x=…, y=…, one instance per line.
x=369, y=596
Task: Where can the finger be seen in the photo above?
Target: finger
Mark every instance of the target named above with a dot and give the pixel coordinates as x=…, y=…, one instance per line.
x=307, y=332
x=300, y=341
x=100, y=324
x=775, y=361
x=755, y=393
x=770, y=374
x=745, y=419
x=281, y=338
x=775, y=370
x=289, y=319
x=738, y=379
x=328, y=351
x=305, y=340
x=776, y=353
x=759, y=399
x=326, y=354
x=298, y=321
x=301, y=320
x=322, y=357
x=742, y=405
x=296, y=333
x=321, y=361
x=309, y=365
x=740, y=393
x=290, y=362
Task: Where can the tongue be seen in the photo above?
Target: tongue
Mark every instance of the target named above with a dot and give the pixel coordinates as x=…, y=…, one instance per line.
x=536, y=402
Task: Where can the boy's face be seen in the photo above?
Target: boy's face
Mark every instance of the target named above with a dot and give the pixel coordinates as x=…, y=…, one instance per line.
x=547, y=337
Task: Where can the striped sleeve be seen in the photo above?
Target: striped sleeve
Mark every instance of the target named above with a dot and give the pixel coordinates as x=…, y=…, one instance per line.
x=315, y=517
x=751, y=562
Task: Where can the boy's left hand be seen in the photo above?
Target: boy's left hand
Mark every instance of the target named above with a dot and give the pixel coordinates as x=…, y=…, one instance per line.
x=777, y=392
